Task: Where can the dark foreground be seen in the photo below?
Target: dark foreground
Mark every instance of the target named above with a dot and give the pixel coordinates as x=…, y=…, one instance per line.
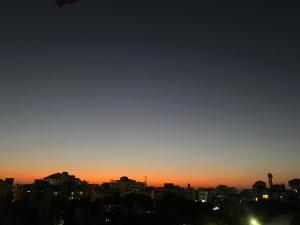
x=139, y=209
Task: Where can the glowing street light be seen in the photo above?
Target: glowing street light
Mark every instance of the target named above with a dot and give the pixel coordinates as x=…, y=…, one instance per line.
x=254, y=221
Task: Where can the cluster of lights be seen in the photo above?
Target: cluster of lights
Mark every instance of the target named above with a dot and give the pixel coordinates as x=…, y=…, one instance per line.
x=216, y=208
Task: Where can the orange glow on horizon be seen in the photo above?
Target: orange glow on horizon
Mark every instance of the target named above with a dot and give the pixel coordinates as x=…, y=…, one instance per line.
x=153, y=179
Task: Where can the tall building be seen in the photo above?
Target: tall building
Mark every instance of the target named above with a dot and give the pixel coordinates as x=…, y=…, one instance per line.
x=270, y=177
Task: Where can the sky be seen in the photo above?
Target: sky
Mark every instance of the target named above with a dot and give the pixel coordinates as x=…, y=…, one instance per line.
x=199, y=92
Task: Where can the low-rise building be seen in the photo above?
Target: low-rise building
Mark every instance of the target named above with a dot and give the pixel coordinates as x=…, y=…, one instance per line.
x=125, y=185
x=6, y=189
x=57, y=179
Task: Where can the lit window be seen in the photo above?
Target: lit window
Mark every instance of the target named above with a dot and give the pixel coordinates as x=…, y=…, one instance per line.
x=265, y=196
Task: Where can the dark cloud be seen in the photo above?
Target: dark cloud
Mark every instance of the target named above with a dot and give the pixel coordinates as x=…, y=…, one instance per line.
x=63, y=2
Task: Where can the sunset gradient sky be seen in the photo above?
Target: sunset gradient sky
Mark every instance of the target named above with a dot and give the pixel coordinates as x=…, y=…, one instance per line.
x=178, y=91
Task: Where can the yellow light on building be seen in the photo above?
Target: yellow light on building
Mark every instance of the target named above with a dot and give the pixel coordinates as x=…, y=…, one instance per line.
x=265, y=196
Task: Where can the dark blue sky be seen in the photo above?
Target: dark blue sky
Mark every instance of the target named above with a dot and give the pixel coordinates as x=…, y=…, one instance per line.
x=175, y=90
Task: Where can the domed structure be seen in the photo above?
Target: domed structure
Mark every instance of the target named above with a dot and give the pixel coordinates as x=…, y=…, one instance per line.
x=259, y=186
